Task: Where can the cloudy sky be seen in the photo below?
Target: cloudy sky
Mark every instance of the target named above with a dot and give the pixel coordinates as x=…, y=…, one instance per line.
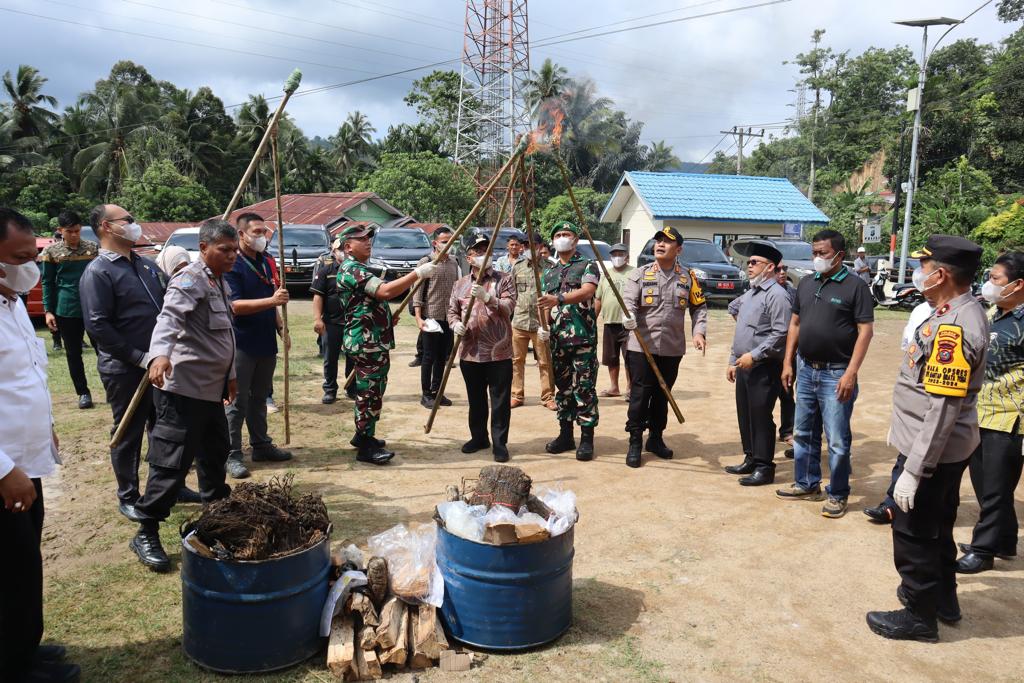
x=686, y=80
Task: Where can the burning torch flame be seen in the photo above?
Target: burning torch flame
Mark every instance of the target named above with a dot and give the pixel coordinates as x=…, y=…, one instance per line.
x=548, y=133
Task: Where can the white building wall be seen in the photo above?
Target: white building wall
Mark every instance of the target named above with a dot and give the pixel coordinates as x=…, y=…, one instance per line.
x=640, y=225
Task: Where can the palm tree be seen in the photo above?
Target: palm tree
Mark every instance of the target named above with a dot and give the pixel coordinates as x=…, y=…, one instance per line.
x=551, y=81
x=25, y=108
x=350, y=147
x=253, y=118
x=660, y=157
x=361, y=126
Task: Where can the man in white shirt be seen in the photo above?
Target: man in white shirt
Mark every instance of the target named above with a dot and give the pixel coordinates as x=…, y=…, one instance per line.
x=861, y=266
x=28, y=451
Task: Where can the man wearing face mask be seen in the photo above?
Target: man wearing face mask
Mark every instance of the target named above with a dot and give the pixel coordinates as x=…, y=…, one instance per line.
x=256, y=294
x=327, y=321
x=935, y=430
x=614, y=336
x=431, y=302
x=121, y=295
x=996, y=464
x=485, y=354
x=570, y=285
x=831, y=328
x=755, y=363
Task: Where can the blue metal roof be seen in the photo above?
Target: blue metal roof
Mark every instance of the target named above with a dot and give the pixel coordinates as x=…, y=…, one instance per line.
x=721, y=197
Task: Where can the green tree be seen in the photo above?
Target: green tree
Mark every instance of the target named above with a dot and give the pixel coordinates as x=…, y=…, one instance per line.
x=164, y=194
x=591, y=202
x=551, y=81
x=28, y=107
x=436, y=99
x=1003, y=231
x=953, y=201
x=660, y=158
x=45, y=191
x=351, y=146
x=425, y=185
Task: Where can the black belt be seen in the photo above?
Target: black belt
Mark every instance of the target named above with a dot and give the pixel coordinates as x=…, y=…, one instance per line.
x=824, y=366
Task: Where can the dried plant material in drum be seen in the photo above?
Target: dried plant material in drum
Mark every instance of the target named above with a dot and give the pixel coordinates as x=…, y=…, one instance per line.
x=501, y=485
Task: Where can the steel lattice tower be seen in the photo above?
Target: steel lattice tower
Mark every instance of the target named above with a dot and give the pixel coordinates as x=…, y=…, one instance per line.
x=492, y=112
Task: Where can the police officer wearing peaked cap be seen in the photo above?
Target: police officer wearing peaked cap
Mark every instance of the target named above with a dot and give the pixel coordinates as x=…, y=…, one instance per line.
x=935, y=429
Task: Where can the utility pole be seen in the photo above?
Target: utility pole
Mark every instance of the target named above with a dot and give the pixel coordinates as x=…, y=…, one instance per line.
x=896, y=191
x=739, y=133
x=814, y=129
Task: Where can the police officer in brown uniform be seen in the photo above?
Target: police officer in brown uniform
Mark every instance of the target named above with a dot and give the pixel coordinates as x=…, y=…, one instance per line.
x=657, y=298
x=193, y=370
x=935, y=429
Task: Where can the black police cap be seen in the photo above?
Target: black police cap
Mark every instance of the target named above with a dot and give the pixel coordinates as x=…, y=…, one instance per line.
x=951, y=249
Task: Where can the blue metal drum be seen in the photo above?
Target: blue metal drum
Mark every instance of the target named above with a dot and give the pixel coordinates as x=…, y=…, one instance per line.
x=508, y=597
x=247, y=617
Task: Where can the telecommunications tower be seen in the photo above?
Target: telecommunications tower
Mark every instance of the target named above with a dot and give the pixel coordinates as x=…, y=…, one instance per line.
x=492, y=112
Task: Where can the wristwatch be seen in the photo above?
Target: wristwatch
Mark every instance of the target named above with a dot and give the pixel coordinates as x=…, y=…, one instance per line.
x=561, y=298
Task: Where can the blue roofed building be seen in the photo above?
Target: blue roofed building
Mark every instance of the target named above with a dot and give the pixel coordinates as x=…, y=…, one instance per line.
x=721, y=208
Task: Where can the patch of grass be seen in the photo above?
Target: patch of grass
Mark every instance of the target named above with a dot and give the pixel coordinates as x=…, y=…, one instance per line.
x=625, y=654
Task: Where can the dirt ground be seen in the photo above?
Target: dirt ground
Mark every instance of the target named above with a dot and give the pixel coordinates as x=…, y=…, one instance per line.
x=680, y=574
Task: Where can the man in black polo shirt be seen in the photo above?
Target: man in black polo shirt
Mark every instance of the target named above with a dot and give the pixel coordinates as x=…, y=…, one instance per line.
x=831, y=328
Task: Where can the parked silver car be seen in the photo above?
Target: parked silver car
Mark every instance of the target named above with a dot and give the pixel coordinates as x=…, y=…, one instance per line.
x=795, y=253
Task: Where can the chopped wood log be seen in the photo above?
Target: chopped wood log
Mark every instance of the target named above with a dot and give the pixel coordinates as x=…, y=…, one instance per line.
x=451, y=493
x=367, y=638
x=398, y=653
x=417, y=659
x=377, y=580
x=538, y=507
x=455, y=661
x=501, y=485
x=368, y=665
x=426, y=633
x=392, y=623
x=341, y=646
x=359, y=603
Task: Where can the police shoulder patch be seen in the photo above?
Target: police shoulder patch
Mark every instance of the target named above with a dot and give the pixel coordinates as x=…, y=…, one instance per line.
x=186, y=281
x=947, y=372
x=696, y=292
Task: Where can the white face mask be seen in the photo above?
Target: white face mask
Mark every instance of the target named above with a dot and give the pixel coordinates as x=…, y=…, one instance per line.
x=130, y=232
x=822, y=264
x=993, y=293
x=761, y=277
x=20, y=278
x=477, y=261
x=920, y=278
x=562, y=244
x=258, y=244
x=618, y=261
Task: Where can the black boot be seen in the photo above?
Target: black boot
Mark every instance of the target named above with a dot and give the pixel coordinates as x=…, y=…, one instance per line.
x=146, y=545
x=655, y=444
x=586, y=450
x=371, y=453
x=633, y=454
x=564, y=441
x=379, y=443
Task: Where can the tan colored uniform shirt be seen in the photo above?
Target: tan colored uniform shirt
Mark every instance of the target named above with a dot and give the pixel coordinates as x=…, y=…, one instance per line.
x=659, y=300
x=194, y=330
x=930, y=428
x=525, y=316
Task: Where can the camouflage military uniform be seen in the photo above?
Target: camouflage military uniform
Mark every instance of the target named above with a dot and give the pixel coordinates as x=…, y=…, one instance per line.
x=367, y=338
x=574, y=342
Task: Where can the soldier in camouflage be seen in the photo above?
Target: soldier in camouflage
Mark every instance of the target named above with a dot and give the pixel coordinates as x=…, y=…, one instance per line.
x=368, y=335
x=569, y=287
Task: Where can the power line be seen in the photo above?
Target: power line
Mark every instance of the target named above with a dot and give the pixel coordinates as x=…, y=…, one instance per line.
x=710, y=151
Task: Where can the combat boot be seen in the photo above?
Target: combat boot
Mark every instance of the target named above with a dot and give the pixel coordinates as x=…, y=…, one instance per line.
x=380, y=443
x=564, y=441
x=586, y=449
x=146, y=545
x=370, y=452
x=655, y=444
x=633, y=454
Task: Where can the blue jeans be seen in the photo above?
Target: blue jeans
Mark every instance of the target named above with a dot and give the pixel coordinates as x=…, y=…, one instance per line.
x=817, y=407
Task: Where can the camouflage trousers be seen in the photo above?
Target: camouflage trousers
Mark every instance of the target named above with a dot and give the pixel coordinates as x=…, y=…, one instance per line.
x=370, y=382
x=575, y=371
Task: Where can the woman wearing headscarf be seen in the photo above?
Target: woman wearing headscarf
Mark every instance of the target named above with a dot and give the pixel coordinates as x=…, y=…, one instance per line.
x=172, y=259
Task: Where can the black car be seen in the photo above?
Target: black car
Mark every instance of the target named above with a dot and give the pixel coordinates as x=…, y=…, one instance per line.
x=400, y=249
x=720, y=280
x=303, y=245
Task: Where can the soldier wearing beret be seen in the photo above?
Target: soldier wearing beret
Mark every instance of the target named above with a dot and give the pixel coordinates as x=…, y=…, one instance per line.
x=569, y=287
x=755, y=364
x=657, y=299
x=368, y=336
x=935, y=429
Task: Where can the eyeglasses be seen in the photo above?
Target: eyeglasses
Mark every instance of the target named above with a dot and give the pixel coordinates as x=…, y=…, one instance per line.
x=127, y=219
x=755, y=262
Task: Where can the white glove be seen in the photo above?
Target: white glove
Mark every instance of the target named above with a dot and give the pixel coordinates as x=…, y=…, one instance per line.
x=905, y=490
x=425, y=271
x=459, y=329
x=543, y=334
x=481, y=293
x=629, y=323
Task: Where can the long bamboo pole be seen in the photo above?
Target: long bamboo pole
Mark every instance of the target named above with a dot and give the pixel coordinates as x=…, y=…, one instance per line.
x=469, y=307
x=275, y=160
x=488, y=189
x=290, y=86
x=541, y=317
x=615, y=290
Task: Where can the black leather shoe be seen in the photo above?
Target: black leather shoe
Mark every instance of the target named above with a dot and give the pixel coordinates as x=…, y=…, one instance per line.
x=586, y=450
x=947, y=613
x=966, y=548
x=564, y=441
x=84, y=401
x=472, y=446
x=129, y=512
x=328, y=398
x=634, y=455
x=972, y=563
x=445, y=401
x=187, y=495
x=746, y=467
x=880, y=514
x=500, y=453
x=53, y=672
x=415, y=362
x=236, y=468
x=903, y=625
x=146, y=545
x=655, y=444
x=789, y=453
x=50, y=653
x=270, y=453
x=426, y=402
x=761, y=476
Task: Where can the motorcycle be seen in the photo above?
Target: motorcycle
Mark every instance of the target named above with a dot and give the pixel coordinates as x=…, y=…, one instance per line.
x=904, y=297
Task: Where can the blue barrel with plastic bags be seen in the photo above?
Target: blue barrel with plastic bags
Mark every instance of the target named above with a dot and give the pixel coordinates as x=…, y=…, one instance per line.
x=506, y=597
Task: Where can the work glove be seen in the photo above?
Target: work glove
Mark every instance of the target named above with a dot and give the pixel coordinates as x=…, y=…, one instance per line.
x=543, y=334
x=629, y=323
x=480, y=292
x=425, y=271
x=459, y=329
x=905, y=490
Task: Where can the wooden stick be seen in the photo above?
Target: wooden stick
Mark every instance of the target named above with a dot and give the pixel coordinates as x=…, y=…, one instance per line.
x=516, y=153
x=469, y=307
x=275, y=161
x=122, y=426
x=615, y=290
x=543, y=319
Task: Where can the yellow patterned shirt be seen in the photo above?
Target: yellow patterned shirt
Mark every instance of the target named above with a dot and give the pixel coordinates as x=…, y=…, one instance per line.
x=1001, y=399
